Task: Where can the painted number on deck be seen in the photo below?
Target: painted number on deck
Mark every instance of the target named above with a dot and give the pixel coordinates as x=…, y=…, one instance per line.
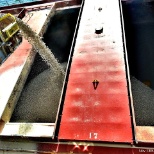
x=93, y=135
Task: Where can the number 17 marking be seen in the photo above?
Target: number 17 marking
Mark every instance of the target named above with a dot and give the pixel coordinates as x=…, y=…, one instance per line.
x=93, y=135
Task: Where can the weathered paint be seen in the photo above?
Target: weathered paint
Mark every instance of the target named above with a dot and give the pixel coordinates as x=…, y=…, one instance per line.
x=102, y=113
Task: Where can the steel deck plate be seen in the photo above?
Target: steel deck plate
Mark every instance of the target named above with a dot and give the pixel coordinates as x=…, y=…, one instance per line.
x=98, y=113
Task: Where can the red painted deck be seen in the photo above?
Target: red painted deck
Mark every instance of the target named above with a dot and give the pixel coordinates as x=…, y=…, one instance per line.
x=102, y=113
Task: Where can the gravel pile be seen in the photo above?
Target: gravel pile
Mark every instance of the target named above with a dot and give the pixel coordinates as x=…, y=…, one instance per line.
x=40, y=99
x=143, y=97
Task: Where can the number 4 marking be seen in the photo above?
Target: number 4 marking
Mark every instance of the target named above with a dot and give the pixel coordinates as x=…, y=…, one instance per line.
x=93, y=135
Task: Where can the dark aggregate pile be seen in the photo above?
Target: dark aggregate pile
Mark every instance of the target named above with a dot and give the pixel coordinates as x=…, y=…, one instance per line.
x=143, y=98
x=39, y=100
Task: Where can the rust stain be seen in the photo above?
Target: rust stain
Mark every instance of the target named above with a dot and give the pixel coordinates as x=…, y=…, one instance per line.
x=145, y=133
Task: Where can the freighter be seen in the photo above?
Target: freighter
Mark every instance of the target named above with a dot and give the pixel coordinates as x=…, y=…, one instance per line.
x=76, y=76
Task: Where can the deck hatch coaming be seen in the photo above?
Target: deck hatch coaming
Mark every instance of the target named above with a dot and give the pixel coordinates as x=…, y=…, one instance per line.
x=102, y=113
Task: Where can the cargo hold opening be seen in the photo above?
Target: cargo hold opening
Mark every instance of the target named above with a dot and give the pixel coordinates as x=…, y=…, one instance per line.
x=139, y=31
x=36, y=104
